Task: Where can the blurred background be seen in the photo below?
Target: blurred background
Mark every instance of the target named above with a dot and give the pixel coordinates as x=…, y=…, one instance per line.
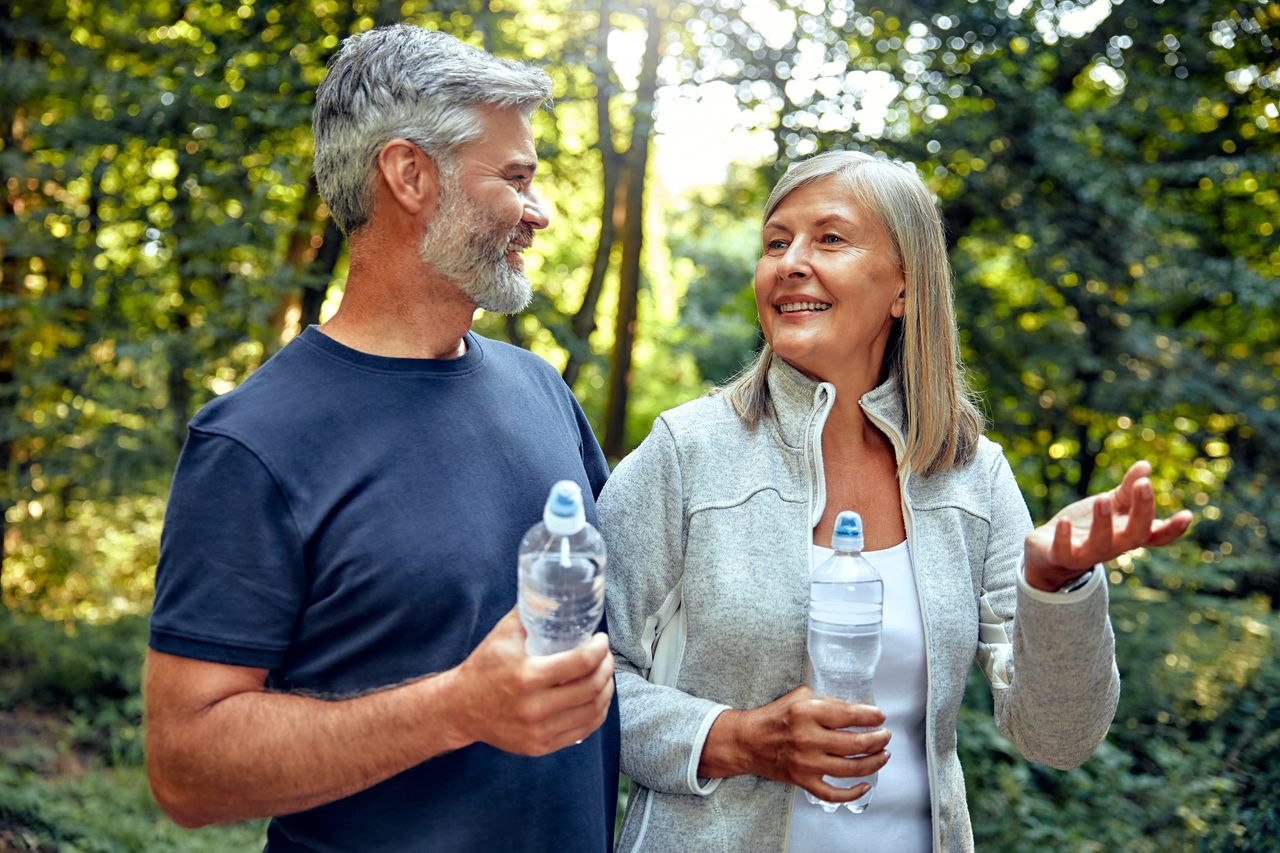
x=1109, y=173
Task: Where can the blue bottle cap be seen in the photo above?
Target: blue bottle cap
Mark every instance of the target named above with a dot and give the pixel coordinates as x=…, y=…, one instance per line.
x=563, y=513
x=847, y=535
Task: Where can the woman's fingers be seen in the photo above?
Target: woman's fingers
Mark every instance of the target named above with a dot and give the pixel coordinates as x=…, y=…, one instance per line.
x=1167, y=531
x=1141, y=514
x=1100, y=540
x=835, y=714
x=831, y=794
x=1124, y=492
x=1060, y=552
x=852, y=766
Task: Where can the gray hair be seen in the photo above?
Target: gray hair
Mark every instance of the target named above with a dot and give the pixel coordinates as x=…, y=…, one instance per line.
x=405, y=82
x=943, y=422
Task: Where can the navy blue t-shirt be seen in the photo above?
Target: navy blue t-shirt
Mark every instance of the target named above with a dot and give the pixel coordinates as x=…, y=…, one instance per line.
x=349, y=521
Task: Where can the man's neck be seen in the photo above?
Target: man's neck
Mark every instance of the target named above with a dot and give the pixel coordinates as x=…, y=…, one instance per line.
x=395, y=307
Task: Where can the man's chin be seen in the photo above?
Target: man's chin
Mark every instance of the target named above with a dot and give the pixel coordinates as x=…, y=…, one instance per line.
x=511, y=300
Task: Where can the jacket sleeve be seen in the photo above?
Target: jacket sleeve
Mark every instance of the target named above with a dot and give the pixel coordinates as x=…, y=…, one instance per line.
x=1052, y=669
x=642, y=520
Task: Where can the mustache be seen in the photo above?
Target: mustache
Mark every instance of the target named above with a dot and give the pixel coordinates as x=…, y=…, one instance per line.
x=521, y=237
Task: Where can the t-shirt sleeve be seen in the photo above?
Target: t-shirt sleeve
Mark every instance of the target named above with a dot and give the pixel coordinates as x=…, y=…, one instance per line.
x=593, y=461
x=231, y=578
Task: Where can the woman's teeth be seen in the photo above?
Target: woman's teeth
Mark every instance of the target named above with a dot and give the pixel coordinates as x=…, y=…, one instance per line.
x=789, y=307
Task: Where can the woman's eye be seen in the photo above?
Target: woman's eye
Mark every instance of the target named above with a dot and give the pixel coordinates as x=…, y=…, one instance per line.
x=776, y=244
x=831, y=238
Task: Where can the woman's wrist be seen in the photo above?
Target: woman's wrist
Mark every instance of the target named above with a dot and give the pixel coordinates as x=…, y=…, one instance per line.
x=1059, y=580
x=723, y=754
x=1037, y=579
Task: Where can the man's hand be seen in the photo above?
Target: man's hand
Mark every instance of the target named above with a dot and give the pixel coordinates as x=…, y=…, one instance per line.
x=797, y=739
x=531, y=705
x=1099, y=528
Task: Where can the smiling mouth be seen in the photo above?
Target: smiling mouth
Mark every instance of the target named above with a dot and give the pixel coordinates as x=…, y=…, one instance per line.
x=792, y=307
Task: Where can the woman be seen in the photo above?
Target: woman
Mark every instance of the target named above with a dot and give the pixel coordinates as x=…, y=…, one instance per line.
x=715, y=522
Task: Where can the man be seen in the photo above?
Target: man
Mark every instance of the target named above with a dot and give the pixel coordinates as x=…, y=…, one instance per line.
x=333, y=641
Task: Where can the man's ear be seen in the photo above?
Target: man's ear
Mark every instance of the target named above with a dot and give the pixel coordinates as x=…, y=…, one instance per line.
x=410, y=176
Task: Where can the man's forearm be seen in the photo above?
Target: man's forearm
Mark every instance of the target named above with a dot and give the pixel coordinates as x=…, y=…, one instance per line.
x=257, y=753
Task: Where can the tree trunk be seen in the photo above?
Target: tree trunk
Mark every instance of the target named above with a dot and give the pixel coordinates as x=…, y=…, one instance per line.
x=321, y=274
x=632, y=244
x=584, y=320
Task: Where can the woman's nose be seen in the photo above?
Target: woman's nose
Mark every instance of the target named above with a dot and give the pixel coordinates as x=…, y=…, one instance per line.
x=795, y=261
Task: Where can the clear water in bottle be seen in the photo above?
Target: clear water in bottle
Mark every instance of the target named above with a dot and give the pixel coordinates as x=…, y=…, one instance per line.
x=846, y=597
x=561, y=575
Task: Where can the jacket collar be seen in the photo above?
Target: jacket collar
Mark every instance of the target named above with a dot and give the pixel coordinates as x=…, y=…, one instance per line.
x=795, y=396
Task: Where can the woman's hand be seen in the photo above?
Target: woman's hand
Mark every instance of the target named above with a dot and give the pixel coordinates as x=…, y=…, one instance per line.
x=797, y=739
x=1099, y=528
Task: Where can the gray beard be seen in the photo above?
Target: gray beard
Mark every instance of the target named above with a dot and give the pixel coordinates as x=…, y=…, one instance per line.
x=470, y=251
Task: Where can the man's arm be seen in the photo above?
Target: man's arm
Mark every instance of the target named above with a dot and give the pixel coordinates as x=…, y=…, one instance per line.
x=221, y=747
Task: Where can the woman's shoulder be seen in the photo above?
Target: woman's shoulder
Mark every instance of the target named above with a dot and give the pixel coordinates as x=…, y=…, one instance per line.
x=708, y=415
x=988, y=456
x=710, y=428
x=710, y=444
x=969, y=485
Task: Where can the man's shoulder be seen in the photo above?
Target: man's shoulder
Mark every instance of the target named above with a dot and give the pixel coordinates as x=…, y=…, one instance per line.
x=534, y=377
x=287, y=387
x=513, y=357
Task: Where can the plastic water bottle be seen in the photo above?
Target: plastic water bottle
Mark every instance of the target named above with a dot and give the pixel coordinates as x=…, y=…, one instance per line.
x=561, y=566
x=846, y=596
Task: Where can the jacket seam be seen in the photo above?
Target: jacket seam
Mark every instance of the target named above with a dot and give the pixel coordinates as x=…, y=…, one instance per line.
x=684, y=523
x=730, y=503
x=967, y=510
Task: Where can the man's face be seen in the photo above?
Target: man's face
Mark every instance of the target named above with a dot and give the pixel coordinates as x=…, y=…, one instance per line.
x=487, y=214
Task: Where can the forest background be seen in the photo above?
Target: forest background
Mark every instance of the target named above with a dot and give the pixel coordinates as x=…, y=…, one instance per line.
x=1108, y=175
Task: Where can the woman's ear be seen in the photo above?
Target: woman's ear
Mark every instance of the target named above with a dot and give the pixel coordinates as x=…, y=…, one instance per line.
x=899, y=306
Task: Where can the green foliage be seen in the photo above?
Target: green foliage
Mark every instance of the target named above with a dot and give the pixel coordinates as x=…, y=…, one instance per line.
x=718, y=313
x=1192, y=770
x=108, y=811
x=92, y=672
x=1111, y=197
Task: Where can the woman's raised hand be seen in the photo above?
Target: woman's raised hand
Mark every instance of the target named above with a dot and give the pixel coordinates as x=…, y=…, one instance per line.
x=797, y=739
x=1099, y=528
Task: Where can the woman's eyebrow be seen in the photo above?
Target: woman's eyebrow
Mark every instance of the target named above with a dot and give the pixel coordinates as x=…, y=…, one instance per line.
x=835, y=217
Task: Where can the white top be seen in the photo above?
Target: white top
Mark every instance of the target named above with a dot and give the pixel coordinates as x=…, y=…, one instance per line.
x=898, y=817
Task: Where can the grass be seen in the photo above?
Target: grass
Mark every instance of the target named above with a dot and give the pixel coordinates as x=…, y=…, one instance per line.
x=102, y=810
x=71, y=775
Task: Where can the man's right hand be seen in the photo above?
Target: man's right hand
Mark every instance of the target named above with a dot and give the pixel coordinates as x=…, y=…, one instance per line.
x=531, y=705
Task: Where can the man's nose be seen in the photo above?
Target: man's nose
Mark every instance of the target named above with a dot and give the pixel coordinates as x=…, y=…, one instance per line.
x=535, y=211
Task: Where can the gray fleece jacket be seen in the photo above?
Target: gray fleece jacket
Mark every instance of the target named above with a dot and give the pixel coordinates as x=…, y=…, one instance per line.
x=709, y=527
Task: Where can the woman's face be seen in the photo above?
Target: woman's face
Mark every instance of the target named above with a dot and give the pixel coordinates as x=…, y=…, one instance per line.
x=828, y=284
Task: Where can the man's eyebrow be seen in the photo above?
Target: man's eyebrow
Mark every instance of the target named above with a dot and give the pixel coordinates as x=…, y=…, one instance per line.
x=530, y=166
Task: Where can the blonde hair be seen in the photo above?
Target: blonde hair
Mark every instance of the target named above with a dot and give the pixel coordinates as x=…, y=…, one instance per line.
x=943, y=423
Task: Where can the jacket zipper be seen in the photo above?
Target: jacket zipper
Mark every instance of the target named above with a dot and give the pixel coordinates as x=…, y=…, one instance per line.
x=811, y=476
x=903, y=476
